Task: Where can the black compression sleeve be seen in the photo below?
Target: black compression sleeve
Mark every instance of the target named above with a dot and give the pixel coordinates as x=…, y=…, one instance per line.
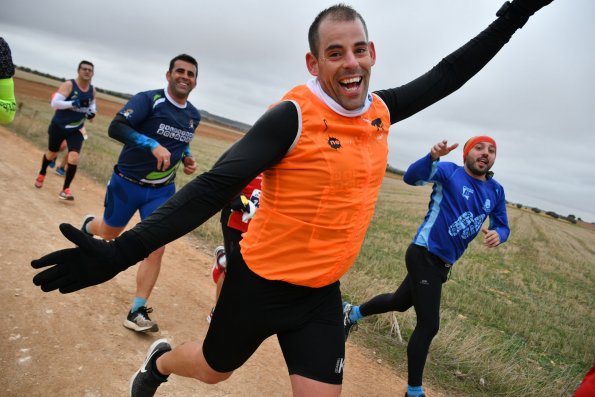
x=121, y=130
x=453, y=71
x=264, y=145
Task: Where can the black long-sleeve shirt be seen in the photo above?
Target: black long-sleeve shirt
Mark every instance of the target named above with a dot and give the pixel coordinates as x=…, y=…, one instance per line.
x=267, y=142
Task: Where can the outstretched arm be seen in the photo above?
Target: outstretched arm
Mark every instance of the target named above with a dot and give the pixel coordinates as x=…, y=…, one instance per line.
x=267, y=142
x=95, y=261
x=460, y=66
x=422, y=171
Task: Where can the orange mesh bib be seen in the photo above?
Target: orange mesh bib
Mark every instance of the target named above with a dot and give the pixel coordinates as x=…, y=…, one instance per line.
x=316, y=204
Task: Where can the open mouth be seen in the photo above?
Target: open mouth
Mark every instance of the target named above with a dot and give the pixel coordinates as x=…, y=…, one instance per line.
x=351, y=84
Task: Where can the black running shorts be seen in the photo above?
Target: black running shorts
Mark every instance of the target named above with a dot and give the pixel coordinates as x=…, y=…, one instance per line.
x=307, y=321
x=74, y=138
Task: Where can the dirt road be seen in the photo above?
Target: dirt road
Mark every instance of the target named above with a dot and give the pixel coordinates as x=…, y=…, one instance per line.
x=75, y=345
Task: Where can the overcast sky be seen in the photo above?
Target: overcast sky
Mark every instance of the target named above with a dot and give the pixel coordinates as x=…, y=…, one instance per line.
x=536, y=97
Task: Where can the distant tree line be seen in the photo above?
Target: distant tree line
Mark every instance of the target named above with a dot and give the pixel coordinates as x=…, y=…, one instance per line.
x=49, y=76
x=393, y=170
x=225, y=121
x=570, y=218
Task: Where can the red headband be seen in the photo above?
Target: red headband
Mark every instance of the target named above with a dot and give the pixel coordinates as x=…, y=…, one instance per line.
x=474, y=141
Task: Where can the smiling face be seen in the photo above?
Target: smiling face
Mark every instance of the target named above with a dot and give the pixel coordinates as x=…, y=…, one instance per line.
x=344, y=62
x=480, y=159
x=181, y=80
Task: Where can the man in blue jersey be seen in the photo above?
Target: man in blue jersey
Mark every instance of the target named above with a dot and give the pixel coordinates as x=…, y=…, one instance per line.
x=156, y=128
x=462, y=198
x=74, y=103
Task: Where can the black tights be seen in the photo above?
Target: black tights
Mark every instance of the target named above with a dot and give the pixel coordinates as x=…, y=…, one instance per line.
x=421, y=288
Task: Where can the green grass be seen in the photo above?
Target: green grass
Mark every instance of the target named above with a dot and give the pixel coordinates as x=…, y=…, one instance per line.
x=517, y=320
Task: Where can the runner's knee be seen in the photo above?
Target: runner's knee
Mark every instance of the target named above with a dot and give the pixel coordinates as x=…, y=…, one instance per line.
x=109, y=233
x=73, y=158
x=212, y=377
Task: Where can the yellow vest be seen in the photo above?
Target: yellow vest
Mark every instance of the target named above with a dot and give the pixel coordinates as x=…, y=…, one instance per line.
x=317, y=202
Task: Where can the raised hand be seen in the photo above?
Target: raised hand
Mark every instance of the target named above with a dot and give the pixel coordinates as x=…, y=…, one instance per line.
x=442, y=149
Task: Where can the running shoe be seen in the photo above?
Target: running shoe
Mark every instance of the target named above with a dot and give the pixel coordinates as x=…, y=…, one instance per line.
x=66, y=195
x=407, y=395
x=220, y=264
x=144, y=382
x=60, y=171
x=347, y=323
x=52, y=164
x=39, y=181
x=86, y=220
x=140, y=321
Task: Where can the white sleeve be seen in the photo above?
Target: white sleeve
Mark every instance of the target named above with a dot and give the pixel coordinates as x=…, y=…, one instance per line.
x=58, y=102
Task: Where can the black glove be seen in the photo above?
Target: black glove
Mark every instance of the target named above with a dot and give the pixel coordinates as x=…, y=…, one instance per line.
x=521, y=10
x=76, y=103
x=531, y=6
x=92, y=262
x=89, y=114
x=240, y=203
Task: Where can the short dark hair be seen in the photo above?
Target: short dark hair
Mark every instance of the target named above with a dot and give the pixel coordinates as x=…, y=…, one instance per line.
x=185, y=58
x=338, y=12
x=83, y=62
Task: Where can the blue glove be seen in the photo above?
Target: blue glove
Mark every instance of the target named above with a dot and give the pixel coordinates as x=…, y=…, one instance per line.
x=92, y=262
x=76, y=103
